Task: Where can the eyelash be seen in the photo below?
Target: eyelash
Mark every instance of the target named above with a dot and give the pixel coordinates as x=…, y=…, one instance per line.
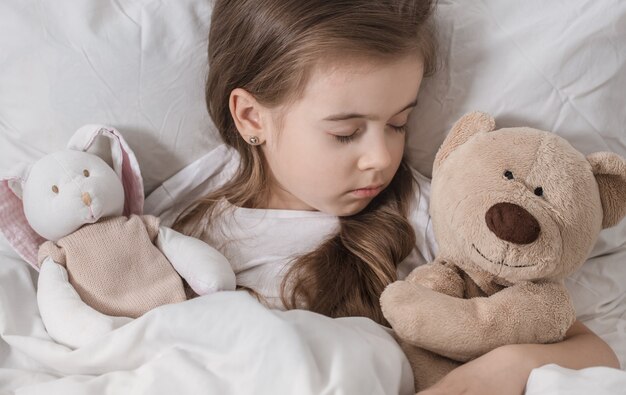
x=347, y=139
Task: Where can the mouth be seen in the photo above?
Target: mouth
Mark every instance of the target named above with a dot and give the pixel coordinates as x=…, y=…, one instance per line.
x=500, y=262
x=369, y=191
x=92, y=217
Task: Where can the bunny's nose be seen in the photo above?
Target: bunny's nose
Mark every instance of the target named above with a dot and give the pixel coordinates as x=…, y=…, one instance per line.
x=512, y=223
x=86, y=199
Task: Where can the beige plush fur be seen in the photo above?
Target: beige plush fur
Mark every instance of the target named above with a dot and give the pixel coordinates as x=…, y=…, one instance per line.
x=514, y=211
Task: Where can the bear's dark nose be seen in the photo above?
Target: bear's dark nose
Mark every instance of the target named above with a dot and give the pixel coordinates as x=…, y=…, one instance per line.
x=512, y=223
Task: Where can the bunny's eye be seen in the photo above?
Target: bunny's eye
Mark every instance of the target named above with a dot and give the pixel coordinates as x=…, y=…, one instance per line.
x=86, y=173
x=55, y=189
x=508, y=174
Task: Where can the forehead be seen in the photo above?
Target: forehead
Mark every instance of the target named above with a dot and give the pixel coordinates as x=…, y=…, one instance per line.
x=362, y=86
x=65, y=161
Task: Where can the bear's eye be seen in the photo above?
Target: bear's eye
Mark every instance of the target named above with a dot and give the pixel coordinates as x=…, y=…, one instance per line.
x=539, y=191
x=508, y=175
x=55, y=189
x=86, y=173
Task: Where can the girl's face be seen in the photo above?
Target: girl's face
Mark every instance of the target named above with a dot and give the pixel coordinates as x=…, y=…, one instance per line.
x=340, y=144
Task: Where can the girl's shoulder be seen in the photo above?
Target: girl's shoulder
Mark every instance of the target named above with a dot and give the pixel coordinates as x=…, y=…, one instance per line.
x=197, y=179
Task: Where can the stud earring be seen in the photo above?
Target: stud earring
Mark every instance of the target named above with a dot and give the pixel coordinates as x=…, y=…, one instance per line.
x=254, y=140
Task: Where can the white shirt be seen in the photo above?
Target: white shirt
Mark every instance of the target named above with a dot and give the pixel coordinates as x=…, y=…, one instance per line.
x=259, y=243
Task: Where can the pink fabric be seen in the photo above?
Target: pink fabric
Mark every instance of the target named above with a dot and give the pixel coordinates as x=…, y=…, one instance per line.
x=15, y=227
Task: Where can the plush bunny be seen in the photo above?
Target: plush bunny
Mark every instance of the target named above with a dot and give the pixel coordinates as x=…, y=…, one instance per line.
x=119, y=264
x=514, y=211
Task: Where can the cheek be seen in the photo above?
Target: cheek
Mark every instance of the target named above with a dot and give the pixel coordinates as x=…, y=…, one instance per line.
x=397, y=148
x=308, y=160
x=292, y=153
x=295, y=145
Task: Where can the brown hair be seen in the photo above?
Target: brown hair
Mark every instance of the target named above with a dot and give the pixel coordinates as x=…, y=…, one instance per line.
x=268, y=48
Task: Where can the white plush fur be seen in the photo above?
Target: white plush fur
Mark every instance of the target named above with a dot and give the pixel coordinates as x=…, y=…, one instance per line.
x=56, y=214
x=68, y=189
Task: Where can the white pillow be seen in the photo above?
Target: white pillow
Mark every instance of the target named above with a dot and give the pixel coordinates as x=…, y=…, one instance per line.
x=553, y=65
x=556, y=66
x=138, y=66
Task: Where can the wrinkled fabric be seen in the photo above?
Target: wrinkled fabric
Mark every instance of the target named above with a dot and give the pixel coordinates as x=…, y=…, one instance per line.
x=225, y=343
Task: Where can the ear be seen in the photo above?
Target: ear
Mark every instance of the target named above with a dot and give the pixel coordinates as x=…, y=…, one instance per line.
x=16, y=178
x=610, y=171
x=248, y=115
x=13, y=223
x=466, y=127
x=122, y=157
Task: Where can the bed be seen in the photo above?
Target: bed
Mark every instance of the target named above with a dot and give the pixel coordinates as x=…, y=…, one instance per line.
x=139, y=66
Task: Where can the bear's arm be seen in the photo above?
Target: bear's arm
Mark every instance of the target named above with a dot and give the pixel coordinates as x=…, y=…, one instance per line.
x=441, y=276
x=464, y=329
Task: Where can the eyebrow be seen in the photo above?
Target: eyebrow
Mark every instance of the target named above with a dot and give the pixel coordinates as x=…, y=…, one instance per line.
x=344, y=116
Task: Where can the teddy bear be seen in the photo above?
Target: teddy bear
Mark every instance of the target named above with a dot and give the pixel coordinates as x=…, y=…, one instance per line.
x=77, y=220
x=514, y=211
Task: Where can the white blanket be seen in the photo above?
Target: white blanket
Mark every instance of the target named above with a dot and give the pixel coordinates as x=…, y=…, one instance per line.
x=555, y=380
x=225, y=343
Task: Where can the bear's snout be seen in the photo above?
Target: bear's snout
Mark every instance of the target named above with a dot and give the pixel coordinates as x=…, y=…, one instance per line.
x=512, y=223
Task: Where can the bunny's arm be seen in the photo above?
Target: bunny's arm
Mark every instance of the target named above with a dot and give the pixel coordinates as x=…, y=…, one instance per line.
x=68, y=320
x=204, y=268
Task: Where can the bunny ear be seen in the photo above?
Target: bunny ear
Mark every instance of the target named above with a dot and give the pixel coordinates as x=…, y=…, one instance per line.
x=16, y=178
x=13, y=223
x=123, y=160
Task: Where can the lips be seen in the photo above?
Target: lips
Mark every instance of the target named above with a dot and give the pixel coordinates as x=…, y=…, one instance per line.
x=94, y=214
x=369, y=191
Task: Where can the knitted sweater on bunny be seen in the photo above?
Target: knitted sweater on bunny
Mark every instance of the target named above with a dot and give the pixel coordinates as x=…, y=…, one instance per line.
x=115, y=266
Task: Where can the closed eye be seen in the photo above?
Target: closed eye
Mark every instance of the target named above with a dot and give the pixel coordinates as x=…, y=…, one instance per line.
x=346, y=139
x=349, y=138
x=399, y=129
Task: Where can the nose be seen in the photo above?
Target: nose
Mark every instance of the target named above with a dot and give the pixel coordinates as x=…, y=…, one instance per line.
x=376, y=156
x=512, y=223
x=86, y=198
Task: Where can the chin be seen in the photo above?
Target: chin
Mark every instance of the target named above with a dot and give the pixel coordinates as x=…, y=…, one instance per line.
x=350, y=209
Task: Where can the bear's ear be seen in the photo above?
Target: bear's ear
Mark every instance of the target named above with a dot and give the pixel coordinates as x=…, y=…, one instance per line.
x=469, y=125
x=610, y=171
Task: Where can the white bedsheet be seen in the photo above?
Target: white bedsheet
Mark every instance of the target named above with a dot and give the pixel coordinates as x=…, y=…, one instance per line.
x=222, y=344
x=555, y=380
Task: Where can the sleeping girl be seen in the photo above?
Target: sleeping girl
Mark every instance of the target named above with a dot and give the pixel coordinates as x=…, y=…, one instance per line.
x=323, y=211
